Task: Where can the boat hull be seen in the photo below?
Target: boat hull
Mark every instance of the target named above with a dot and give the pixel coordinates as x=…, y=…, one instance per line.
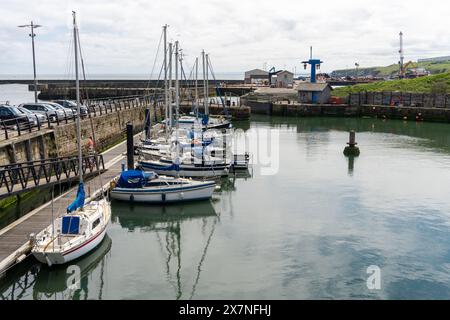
x=187, y=170
x=164, y=195
x=52, y=258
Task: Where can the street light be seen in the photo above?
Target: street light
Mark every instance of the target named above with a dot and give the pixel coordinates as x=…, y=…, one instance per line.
x=32, y=35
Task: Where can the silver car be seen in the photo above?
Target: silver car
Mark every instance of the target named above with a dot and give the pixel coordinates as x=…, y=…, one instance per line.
x=68, y=111
x=38, y=116
x=45, y=109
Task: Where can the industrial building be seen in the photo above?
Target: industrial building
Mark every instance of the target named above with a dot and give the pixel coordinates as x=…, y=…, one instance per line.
x=310, y=92
x=282, y=79
x=257, y=76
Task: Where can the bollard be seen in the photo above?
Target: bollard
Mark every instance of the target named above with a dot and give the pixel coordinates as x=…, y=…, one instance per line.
x=352, y=149
x=130, y=146
x=147, y=123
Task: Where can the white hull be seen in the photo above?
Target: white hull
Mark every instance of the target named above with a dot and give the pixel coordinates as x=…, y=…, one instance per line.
x=63, y=248
x=51, y=258
x=163, y=196
x=188, y=171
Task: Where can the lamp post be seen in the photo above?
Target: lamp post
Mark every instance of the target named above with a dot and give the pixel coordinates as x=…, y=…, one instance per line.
x=33, y=26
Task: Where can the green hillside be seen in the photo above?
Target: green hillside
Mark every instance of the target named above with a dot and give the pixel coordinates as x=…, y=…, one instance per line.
x=392, y=70
x=439, y=83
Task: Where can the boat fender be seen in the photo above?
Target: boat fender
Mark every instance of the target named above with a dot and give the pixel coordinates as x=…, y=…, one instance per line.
x=132, y=197
x=112, y=185
x=163, y=196
x=182, y=195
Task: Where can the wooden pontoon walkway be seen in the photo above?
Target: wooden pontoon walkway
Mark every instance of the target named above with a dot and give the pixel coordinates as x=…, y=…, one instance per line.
x=14, y=239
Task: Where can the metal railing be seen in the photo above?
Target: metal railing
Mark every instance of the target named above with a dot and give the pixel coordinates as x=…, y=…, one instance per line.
x=22, y=176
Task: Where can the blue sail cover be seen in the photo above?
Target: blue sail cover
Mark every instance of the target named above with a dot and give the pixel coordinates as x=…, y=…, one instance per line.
x=134, y=179
x=205, y=119
x=79, y=200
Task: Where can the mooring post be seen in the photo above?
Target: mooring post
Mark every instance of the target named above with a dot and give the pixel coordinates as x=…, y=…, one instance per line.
x=352, y=149
x=147, y=122
x=130, y=146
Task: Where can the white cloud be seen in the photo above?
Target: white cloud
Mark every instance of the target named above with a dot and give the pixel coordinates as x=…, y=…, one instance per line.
x=122, y=36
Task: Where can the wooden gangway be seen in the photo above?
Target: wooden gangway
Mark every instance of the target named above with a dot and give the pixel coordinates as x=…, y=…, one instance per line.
x=14, y=239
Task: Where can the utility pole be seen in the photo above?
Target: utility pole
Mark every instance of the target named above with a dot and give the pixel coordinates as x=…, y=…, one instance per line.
x=33, y=26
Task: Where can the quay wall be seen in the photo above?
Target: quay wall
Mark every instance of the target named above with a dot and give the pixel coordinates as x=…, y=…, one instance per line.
x=60, y=141
x=108, y=129
x=414, y=113
x=34, y=146
x=408, y=99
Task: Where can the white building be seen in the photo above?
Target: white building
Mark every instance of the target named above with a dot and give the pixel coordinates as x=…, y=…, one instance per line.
x=282, y=79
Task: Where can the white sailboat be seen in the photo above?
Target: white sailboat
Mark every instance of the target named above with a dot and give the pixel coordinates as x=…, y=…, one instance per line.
x=135, y=185
x=158, y=158
x=139, y=186
x=83, y=227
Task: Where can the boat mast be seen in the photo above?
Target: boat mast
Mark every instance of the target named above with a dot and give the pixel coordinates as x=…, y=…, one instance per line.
x=177, y=101
x=166, y=94
x=77, y=81
x=177, y=89
x=170, y=85
x=207, y=86
x=196, y=87
x=204, y=81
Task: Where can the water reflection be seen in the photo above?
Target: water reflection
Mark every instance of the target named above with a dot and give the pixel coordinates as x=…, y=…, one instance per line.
x=166, y=221
x=36, y=281
x=351, y=164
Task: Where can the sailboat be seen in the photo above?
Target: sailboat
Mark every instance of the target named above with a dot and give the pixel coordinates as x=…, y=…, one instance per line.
x=158, y=158
x=83, y=227
x=135, y=185
x=206, y=121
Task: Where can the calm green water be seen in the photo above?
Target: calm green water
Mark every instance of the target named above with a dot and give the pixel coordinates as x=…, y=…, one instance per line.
x=310, y=231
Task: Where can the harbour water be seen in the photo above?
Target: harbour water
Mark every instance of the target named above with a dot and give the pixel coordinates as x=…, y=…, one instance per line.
x=311, y=230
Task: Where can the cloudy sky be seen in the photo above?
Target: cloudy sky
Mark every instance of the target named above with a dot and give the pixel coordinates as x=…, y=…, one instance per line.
x=121, y=37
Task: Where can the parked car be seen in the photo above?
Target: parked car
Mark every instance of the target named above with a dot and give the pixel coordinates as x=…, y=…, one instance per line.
x=45, y=109
x=12, y=117
x=67, y=110
x=41, y=118
x=73, y=105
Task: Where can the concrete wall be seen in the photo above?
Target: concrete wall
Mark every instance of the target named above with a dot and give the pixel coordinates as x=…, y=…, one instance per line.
x=62, y=140
x=28, y=147
x=109, y=128
x=427, y=100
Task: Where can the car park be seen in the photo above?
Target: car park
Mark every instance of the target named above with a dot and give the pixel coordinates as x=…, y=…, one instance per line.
x=41, y=118
x=45, y=109
x=12, y=117
x=69, y=112
x=71, y=104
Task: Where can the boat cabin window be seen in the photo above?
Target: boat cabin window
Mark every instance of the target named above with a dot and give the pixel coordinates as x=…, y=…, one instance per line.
x=95, y=223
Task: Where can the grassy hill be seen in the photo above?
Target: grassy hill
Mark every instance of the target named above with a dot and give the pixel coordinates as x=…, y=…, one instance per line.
x=433, y=67
x=439, y=83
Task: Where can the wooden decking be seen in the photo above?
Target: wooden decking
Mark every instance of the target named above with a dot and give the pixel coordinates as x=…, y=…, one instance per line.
x=14, y=239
